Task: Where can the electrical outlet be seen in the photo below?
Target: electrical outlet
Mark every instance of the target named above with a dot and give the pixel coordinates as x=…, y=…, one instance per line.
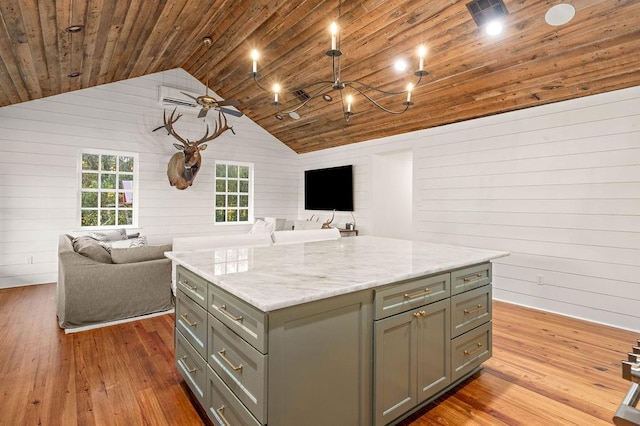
x=540, y=278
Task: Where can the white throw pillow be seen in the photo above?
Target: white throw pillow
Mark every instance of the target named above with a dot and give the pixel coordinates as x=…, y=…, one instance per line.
x=260, y=226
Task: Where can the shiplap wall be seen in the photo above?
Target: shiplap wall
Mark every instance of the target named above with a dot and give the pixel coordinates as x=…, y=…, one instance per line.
x=558, y=186
x=39, y=145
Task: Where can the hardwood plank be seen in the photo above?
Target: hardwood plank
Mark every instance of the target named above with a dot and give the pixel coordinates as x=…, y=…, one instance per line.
x=546, y=369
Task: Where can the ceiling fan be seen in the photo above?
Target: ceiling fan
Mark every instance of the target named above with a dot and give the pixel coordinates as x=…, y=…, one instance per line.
x=207, y=102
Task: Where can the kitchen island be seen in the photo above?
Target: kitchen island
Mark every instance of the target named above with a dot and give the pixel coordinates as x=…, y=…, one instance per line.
x=354, y=331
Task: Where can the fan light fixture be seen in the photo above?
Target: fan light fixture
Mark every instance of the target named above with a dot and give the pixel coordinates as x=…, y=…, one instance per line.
x=346, y=89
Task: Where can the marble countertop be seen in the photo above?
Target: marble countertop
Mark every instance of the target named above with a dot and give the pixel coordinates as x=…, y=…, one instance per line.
x=278, y=276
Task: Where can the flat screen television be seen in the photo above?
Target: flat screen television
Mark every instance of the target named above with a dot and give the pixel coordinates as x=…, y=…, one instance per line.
x=329, y=189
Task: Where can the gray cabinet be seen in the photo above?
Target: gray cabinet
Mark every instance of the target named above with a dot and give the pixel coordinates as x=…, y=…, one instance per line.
x=362, y=358
x=411, y=359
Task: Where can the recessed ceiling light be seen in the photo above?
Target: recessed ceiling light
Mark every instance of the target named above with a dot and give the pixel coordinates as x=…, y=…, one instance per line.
x=560, y=14
x=493, y=28
x=74, y=74
x=400, y=65
x=294, y=115
x=278, y=116
x=327, y=97
x=74, y=28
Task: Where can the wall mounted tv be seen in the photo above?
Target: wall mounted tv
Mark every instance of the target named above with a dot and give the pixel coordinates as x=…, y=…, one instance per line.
x=329, y=189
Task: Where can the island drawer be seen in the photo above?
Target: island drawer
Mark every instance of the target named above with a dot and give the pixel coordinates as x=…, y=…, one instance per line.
x=469, y=350
x=411, y=294
x=192, y=367
x=223, y=408
x=191, y=320
x=470, y=309
x=469, y=278
x=245, y=320
x=241, y=367
x=192, y=285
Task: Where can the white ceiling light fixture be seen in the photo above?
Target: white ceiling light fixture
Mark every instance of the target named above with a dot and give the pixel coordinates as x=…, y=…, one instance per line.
x=488, y=14
x=560, y=14
x=304, y=93
x=494, y=28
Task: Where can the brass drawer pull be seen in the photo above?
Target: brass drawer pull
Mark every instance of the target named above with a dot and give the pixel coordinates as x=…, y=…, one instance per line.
x=474, y=278
x=223, y=309
x=474, y=351
x=229, y=363
x=186, y=367
x=186, y=284
x=220, y=412
x=477, y=308
x=425, y=292
x=190, y=324
x=420, y=314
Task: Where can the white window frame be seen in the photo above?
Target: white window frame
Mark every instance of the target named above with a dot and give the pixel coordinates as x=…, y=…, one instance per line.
x=250, y=217
x=134, y=189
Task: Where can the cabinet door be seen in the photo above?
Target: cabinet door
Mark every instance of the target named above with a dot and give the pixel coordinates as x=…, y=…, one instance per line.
x=395, y=366
x=433, y=349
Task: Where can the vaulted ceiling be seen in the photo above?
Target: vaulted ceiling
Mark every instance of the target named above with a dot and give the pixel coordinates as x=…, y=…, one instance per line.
x=471, y=74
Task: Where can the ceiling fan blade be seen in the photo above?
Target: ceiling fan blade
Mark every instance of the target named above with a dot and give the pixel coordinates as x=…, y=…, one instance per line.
x=203, y=112
x=231, y=112
x=192, y=97
x=230, y=102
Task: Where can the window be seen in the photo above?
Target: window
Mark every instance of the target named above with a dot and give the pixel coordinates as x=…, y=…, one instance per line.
x=108, y=189
x=234, y=192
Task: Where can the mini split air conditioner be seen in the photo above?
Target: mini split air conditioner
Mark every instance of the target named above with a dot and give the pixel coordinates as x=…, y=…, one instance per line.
x=172, y=97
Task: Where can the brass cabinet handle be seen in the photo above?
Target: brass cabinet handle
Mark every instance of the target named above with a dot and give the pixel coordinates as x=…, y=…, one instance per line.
x=186, y=284
x=424, y=292
x=190, y=324
x=477, y=308
x=473, y=351
x=229, y=363
x=476, y=277
x=223, y=309
x=186, y=367
x=220, y=412
x=420, y=314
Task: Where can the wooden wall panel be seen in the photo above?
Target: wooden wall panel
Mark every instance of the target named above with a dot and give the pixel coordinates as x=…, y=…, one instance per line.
x=558, y=186
x=39, y=145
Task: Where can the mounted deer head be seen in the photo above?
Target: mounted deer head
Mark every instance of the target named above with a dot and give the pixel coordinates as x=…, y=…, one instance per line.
x=183, y=166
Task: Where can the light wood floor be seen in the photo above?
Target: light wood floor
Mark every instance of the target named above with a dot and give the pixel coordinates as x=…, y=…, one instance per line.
x=546, y=370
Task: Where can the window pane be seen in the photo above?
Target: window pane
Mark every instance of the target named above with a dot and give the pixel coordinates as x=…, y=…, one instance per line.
x=221, y=170
x=107, y=217
x=244, y=201
x=90, y=161
x=108, y=181
x=233, y=171
x=125, y=181
x=125, y=199
x=244, y=215
x=244, y=172
x=220, y=201
x=90, y=180
x=232, y=186
x=107, y=199
x=232, y=201
x=125, y=217
x=232, y=215
x=126, y=164
x=244, y=186
x=89, y=218
x=108, y=163
x=220, y=216
x=221, y=185
x=89, y=199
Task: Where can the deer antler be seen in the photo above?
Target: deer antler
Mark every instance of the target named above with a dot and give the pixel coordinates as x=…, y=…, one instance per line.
x=169, y=126
x=219, y=129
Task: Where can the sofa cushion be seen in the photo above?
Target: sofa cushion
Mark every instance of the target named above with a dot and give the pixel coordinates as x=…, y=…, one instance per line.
x=91, y=248
x=138, y=254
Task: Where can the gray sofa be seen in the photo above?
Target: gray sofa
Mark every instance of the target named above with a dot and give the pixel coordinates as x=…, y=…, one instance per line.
x=93, y=289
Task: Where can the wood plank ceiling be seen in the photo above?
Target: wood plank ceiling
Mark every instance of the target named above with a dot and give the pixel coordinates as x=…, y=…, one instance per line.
x=470, y=74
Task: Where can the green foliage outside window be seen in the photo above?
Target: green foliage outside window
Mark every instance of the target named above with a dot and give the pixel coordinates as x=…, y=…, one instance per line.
x=106, y=193
x=232, y=186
